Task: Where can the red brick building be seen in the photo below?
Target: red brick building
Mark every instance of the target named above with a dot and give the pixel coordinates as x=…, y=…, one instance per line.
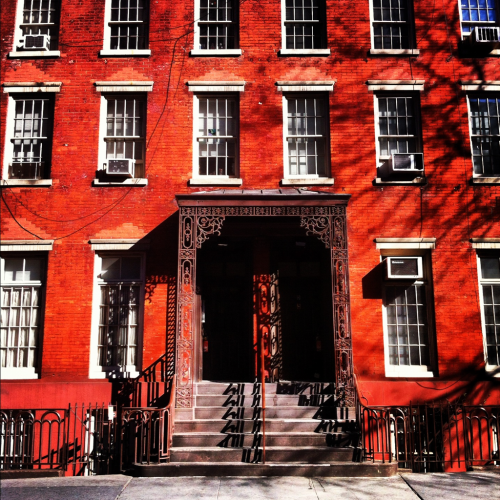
x=160, y=157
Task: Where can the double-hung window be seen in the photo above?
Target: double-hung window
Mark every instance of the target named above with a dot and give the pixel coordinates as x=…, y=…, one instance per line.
x=304, y=27
x=29, y=146
x=484, y=118
x=23, y=280
x=306, y=136
x=477, y=14
x=489, y=278
x=216, y=27
x=392, y=25
x=407, y=322
x=126, y=27
x=118, y=303
x=37, y=28
x=216, y=143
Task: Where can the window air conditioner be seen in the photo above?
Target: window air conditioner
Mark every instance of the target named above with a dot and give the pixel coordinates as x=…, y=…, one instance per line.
x=122, y=167
x=35, y=42
x=407, y=162
x=404, y=268
x=485, y=36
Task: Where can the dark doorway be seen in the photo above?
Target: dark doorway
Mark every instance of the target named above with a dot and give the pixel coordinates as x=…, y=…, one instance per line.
x=299, y=266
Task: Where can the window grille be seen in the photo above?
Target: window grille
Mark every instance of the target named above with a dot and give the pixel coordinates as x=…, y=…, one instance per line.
x=128, y=24
x=41, y=17
x=32, y=138
x=490, y=294
x=407, y=329
x=22, y=289
x=120, y=289
x=125, y=130
x=306, y=136
x=478, y=13
x=303, y=24
x=217, y=25
x=397, y=126
x=391, y=28
x=217, y=136
x=485, y=135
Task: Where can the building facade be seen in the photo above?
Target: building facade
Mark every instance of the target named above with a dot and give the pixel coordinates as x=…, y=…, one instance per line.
x=180, y=179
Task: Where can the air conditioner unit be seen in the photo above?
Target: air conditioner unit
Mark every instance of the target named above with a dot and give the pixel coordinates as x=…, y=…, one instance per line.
x=404, y=268
x=122, y=167
x=485, y=36
x=35, y=42
x=407, y=162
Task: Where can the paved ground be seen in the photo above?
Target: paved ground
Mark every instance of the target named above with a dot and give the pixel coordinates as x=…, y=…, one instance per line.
x=461, y=486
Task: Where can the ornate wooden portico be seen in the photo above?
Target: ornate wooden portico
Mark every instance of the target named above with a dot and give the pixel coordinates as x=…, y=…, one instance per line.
x=202, y=215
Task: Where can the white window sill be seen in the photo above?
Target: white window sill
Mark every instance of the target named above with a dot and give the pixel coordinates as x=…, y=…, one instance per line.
x=417, y=181
x=215, y=181
x=408, y=371
x=304, y=52
x=394, y=52
x=216, y=52
x=35, y=53
x=125, y=182
x=493, y=370
x=18, y=374
x=27, y=182
x=118, y=373
x=495, y=52
x=125, y=52
x=305, y=181
x=485, y=180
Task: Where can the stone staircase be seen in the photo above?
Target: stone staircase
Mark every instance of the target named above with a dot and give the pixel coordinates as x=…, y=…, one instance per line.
x=307, y=434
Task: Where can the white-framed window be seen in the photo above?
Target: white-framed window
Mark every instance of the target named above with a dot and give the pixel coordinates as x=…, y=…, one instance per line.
x=306, y=133
x=478, y=14
x=303, y=24
x=216, y=30
x=408, y=325
x=216, y=131
x=37, y=28
x=28, y=148
x=489, y=281
x=392, y=25
x=23, y=286
x=123, y=137
x=126, y=28
x=117, y=315
x=484, y=127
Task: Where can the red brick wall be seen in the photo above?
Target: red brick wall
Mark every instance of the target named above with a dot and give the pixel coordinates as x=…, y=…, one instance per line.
x=447, y=208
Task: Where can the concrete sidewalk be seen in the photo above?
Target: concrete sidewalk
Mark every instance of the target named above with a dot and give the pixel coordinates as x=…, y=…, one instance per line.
x=461, y=486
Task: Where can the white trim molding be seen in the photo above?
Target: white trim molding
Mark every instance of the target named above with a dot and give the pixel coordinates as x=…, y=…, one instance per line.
x=125, y=53
x=308, y=181
x=17, y=87
x=26, y=245
x=405, y=243
x=136, y=181
x=485, y=180
x=33, y=54
x=395, y=85
x=123, y=86
x=394, y=52
x=119, y=244
x=26, y=182
x=217, y=180
x=211, y=86
x=480, y=85
x=319, y=86
x=216, y=52
x=485, y=243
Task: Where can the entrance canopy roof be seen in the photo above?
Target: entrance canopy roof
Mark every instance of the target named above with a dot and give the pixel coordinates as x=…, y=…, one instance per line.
x=261, y=197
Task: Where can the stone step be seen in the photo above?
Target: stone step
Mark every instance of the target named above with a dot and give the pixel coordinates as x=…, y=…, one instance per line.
x=272, y=425
x=302, y=454
x=336, y=469
x=232, y=412
x=198, y=439
x=248, y=388
x=271, y=400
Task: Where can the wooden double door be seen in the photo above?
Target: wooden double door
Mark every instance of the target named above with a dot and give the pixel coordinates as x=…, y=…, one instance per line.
x=264, y=278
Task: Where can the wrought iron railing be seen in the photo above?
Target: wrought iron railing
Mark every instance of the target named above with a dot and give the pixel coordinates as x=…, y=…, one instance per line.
x=146, y=433
x=429, y=437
